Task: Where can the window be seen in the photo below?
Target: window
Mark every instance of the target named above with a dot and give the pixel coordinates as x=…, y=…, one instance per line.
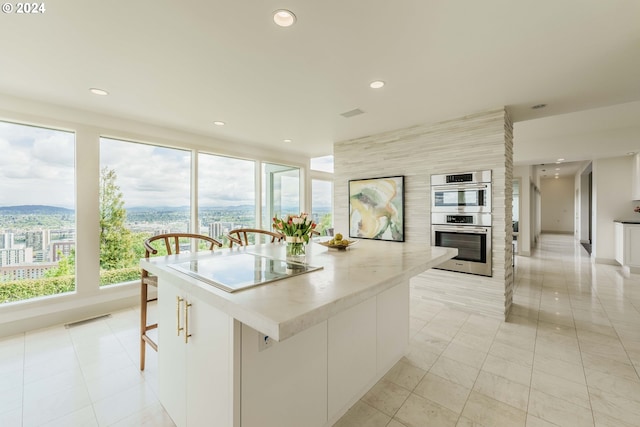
x=322, y=164
x=37, y=212
x=144, y=191
x=226, y=195
x=322, y=206
x=280, y=192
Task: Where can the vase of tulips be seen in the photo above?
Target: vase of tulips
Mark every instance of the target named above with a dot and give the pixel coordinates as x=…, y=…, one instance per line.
x=297, y=231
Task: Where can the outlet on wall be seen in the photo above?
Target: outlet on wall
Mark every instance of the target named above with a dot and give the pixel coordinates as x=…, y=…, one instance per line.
x=264, y=342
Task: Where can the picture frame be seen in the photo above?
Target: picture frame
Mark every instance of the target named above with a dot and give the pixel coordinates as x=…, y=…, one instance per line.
x=376, y=208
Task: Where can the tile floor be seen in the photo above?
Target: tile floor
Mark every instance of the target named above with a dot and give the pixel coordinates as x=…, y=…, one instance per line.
x=568, y=356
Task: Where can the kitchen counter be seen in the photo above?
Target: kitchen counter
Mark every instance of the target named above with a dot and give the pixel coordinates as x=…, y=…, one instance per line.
x=628, y=221
x=283, y=308
x=298, y=351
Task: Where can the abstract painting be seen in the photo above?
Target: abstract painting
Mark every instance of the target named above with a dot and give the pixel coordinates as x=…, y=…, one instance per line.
x=376, y=208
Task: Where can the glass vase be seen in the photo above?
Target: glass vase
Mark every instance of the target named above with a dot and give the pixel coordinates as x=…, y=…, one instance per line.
x=296, y=249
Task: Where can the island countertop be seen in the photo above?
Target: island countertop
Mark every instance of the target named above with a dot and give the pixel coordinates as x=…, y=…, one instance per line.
x=628, y=221
x=282, y=308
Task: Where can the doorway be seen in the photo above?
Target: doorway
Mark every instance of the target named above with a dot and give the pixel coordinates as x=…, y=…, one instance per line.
x=586, y=209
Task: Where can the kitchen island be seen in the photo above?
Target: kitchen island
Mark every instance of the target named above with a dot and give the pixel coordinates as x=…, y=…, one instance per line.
x=292, y=352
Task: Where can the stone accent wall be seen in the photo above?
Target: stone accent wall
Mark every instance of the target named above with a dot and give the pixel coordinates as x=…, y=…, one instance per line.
x=475, y=142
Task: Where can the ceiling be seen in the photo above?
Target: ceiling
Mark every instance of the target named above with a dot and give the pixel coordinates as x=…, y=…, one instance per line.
x=184, y=65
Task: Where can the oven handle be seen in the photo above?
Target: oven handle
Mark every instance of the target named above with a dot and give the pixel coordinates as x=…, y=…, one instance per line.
x=465, y=229
x=460, y=187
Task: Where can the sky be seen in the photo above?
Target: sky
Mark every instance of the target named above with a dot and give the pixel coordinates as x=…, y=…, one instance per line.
x=37, y=167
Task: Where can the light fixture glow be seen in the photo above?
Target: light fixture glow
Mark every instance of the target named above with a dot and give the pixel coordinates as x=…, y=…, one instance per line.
x=286, y=140
x=557, y=169
x=284, y=18
x=561, y=160
x=96, y=91
x=219, y=123
x=377, y=84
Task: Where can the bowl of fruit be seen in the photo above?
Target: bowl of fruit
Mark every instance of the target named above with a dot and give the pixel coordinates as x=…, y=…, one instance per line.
x=338, y=243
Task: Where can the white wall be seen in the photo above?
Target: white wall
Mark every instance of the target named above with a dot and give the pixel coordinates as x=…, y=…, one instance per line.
x=524, y=233
x=612, y=200
x=557, y=205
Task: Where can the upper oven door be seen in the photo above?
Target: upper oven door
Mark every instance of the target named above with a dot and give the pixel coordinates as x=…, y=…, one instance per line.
x=461, y=198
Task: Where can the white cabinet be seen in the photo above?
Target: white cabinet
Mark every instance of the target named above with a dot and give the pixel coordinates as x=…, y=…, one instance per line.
x=197, y=383
x=627, y=246
x=285, y=385
x=619, y=242
x=310, y=379
x=352, y=354
x=635, y=178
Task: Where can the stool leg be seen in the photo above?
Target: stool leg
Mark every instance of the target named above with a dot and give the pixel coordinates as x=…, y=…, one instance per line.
x=143, y=322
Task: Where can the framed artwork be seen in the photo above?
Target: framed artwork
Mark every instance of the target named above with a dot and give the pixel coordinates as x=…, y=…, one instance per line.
x=376, y=208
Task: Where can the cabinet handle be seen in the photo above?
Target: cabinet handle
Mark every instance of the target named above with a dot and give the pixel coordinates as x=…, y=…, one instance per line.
x=187, y=335
x=178, y=301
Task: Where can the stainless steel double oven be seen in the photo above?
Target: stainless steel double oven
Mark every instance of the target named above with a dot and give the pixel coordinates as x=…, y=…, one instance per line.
x=461, y=218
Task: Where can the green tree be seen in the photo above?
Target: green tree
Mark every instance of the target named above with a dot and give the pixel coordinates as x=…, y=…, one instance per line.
x=325, y=223
x=116, y=245
x=66, y=266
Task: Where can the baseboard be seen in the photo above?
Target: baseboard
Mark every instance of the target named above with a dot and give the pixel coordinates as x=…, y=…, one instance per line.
x=607, y=261
x=556, y=232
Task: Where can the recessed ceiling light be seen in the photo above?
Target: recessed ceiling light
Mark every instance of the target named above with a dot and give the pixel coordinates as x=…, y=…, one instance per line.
x=284, y=18
x=96, y=91
x=557, y=169
x=631, y=153
x=538, y=106
x=286, y=140
x=219, y=123
x=376, y=84
x=561, y=160
x=556, y=177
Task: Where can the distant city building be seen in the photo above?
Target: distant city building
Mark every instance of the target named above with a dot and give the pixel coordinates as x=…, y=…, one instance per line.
x=62, y=234
x=60, y=249
x=25, y=271
x=215, y=230
x=6, y=240
x=15, y=256
x=39, y=256
x=38, y=239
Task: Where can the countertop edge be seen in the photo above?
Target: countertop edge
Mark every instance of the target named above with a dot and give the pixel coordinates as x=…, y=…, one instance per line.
x=627, y=221
x=281, y=330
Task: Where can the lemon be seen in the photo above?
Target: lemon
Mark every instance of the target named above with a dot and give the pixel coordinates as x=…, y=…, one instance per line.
x=338, y=237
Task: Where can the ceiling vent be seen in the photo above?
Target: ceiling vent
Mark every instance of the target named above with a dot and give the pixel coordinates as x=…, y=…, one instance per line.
x=352, y=113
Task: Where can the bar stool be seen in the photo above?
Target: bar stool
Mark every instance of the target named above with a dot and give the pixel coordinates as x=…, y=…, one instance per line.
x=172, y=245
x=240, y=236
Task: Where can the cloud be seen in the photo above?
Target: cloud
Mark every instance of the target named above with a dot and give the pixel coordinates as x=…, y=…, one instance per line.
x=37, y=166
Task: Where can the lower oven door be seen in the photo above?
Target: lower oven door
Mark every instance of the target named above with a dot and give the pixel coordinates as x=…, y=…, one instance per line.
x=473, y=244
